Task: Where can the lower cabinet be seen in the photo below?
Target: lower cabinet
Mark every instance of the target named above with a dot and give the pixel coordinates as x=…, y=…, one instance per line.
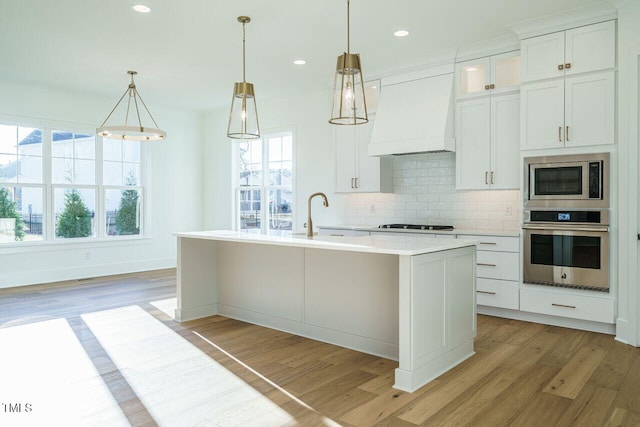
x=584, y=307
x=497, y=271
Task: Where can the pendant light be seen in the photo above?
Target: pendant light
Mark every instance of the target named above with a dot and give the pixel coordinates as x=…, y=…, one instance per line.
x=127, y=131
x=349, y=106
x=243, y=118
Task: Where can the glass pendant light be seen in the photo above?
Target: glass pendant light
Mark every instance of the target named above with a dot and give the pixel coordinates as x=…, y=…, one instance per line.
x=243, y=118
x=127, y=131
x=349, y=106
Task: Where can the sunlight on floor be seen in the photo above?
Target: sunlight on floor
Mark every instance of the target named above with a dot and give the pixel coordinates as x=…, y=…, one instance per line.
x=177, y=383
x=44, y=368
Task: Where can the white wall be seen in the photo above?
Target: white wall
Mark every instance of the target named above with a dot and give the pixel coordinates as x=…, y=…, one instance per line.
x=174, y=202
x=307, y=116
x=628, y=322
x=424, y=193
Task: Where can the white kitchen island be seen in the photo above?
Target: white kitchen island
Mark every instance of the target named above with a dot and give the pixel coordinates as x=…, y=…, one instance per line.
x=410, y=299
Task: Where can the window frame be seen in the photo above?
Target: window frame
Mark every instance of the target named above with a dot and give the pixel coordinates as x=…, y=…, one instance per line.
x=265, y=187
x=48, y=187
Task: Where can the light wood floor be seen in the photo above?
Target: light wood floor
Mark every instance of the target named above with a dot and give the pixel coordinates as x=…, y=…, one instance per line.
x=219, y=371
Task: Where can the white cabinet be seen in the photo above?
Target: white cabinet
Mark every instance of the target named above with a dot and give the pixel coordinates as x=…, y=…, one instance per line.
x=584, y=307
x=498, y=270
x=355, y=170
x=578, y=50
x=322, y=231
x=489, y=75
x=571, y=112
x=487, y=138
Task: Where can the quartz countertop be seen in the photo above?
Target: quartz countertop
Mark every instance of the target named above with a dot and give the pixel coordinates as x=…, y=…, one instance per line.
x=392, y=244
x=479, y=232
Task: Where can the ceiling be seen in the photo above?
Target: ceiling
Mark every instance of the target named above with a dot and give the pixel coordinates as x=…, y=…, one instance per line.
x=188, y=53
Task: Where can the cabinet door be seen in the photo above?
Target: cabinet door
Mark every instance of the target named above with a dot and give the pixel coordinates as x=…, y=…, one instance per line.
x=542, y=115
x=473, y=78
x=505, y=70
x=590, y=48
x=505, y=142
x=367, y=167
x=344, y=141
x=541, y=57
x=473, y=136
x=590, y=110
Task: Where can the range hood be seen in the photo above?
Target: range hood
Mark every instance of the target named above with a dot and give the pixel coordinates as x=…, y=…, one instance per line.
x=415, y=114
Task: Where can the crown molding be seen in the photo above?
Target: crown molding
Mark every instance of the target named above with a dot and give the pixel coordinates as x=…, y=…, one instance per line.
x=577, y=17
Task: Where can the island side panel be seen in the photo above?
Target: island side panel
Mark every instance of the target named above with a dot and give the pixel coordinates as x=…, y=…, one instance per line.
x=197, y=278
x=437, y=314
x=262, y=284
x=355, y=294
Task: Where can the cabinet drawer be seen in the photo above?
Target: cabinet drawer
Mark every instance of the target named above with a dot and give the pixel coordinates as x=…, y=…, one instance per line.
x=498, y=265
x=341, y=232
x=567, y=305
x=497, y=293
x=494, y=243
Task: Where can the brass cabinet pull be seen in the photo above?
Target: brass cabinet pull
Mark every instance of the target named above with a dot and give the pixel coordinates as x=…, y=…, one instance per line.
x=356, y=182
x=488, y=243
x=492, y=86
x=562, y=305
x=336, y=235
x=492, y=177
x=487, y=87
x=567, y=65
x=486, y=265
x=352, y=183
x=566, y=133
x=485, y=292
x=560, y=67
x=486, y=177
x=560, y=134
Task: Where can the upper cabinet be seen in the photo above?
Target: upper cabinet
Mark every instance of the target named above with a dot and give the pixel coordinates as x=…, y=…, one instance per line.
x=571, y=112
x=356, y=171
x=565, y=53
x=489, y=75
x=487, y=139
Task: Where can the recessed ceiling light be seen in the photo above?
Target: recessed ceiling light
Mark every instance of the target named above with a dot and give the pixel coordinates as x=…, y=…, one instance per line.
x=401, y=33
x=141, y=8
x=299, y=62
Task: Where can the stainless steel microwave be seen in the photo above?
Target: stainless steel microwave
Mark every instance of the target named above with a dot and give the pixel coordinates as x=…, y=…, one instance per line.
x=567, y=181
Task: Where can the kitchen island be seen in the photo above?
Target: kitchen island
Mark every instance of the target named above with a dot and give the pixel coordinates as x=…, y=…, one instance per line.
x=410, y=299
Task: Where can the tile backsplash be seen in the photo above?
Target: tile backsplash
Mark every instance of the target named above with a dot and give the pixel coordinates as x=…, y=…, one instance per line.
x=424, y=192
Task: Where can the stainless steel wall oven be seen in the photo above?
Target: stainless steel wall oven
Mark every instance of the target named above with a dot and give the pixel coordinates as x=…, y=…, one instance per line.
x=567, y=248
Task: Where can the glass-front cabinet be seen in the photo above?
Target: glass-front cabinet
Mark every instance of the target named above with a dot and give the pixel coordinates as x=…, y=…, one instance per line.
x=489, y=75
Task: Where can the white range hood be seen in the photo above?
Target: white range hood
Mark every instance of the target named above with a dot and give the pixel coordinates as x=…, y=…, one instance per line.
x=415, y=114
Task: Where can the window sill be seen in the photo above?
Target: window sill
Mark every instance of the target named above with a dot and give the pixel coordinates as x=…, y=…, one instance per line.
x=80, y=243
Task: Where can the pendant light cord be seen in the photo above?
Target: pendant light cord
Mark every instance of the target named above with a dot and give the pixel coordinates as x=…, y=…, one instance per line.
x=348, y=30
x=243, y=54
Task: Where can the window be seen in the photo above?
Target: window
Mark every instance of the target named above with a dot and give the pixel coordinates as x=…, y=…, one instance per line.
x=265, y=184
x=58, y=183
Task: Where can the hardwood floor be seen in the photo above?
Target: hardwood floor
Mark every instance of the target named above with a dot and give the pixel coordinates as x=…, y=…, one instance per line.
x=106, y=352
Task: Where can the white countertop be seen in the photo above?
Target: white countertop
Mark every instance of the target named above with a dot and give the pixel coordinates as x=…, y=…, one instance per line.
x=482, y=232
x=393, y=245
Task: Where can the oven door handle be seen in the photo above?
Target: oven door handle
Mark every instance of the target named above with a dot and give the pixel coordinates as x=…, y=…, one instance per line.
x=563, y=228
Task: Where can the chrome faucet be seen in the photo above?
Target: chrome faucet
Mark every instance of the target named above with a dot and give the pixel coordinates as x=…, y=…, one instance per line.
x=325, y=202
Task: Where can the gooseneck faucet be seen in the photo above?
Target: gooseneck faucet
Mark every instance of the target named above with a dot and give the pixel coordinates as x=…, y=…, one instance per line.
x=325, y=202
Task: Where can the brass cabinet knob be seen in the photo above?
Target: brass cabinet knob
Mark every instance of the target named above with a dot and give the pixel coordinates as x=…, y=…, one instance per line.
x=560, y=67
x=487, y=87
x=567, y=65
x=492, y=86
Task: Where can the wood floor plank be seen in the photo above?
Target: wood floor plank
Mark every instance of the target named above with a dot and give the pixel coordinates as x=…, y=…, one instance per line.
x=628, y=396
x=543, y=410
x=575, y=374
x=590, y=407
x=428, y=404
x=614, y=368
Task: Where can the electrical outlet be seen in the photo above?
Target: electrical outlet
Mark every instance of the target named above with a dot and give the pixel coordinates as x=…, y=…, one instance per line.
x=507, y=210
x=372, y=209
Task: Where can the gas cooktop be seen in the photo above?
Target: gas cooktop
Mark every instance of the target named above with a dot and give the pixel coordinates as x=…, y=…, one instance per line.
x=417, y=226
